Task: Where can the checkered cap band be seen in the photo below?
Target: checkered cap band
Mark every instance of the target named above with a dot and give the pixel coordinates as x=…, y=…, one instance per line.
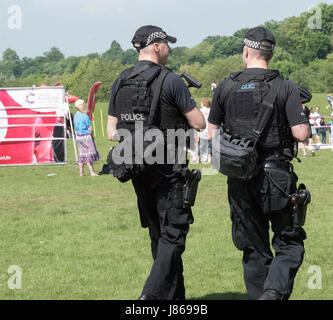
x=257, y=45
x=155, y=35
x=252, y=44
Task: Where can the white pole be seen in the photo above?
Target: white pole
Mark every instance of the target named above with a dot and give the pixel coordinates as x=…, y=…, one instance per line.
x=72, y=129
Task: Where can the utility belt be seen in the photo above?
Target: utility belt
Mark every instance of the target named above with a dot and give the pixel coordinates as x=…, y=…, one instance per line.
x=277, y=165
x=279, y=191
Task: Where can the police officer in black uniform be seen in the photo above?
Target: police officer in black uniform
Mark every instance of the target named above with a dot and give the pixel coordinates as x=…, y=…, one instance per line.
x=267, y=277
x=160, y=189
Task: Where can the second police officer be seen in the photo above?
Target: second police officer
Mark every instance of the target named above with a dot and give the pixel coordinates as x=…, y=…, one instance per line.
x=264, y=199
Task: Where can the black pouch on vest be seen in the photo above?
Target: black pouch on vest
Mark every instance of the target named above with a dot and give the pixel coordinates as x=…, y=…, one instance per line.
x=123, y=171
x=138, y=160
x=277, y=186
x=238, y=157
x=235, y=158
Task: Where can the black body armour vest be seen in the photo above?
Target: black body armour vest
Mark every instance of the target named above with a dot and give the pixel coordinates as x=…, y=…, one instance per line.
x=170, y=117
x=241, y=115
x=139, y=88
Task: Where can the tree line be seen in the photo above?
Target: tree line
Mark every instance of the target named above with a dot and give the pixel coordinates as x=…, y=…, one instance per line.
x=302, y=54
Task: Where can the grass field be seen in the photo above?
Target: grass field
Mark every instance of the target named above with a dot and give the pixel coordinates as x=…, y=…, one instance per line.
x=80, y=237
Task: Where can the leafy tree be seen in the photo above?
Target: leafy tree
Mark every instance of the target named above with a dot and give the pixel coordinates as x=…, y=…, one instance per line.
x=302, y=54
x=227, y=46
x=285, y=67
x=327, y=19
x=130, y=56
x=282, y=61
x=316, y=44
x=71, y=63
x=212, y=39
x=10, y=55
x=114, y=53
x=273, y=26
x=90, y=71
x=11, y=65
x=221, y=68
x=93, y=56
x=325, y=75
x=200, y=53
x=289, y=36
x=241, y=33
x=178, y=57
x=54, y=55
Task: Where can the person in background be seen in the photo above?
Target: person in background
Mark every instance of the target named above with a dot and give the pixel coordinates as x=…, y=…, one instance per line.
x=213, y=86
x=308, y=142
x=69, y=134
x=205, y=150
x=329, y=100
x=322, y=131
x=312, y=124
x=88, y=152
x=330, y=123
x=317, y=118
x=58, y=146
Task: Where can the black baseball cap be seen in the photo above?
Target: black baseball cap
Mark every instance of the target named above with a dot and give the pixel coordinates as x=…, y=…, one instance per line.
x=255, y=37
x=147, y=35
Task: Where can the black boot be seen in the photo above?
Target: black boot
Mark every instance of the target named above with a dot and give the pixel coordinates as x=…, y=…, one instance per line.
x=270, y=295
x=146, y=297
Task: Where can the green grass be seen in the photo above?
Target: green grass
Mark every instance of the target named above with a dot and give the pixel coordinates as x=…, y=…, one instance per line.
x=80, y=237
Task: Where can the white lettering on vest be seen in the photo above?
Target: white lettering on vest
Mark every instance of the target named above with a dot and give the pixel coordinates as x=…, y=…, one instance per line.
x=132, y=117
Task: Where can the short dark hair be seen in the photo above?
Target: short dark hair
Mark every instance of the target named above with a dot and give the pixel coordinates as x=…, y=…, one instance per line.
x=263, y=55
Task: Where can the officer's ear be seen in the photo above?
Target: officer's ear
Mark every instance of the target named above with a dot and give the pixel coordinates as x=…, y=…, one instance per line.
x=245, y=52
x=156, y=47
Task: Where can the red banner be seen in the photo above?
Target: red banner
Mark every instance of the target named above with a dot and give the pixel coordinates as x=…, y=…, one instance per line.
x=32, y=126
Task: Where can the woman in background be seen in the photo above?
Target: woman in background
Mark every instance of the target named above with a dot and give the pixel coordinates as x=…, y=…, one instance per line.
x=87, y=149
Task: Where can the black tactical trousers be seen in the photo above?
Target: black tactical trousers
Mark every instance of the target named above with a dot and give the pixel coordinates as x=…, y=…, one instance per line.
x=250, y=233
x=160, y=203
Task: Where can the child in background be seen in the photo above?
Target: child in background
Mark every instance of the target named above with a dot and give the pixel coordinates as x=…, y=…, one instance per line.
x=87, y=149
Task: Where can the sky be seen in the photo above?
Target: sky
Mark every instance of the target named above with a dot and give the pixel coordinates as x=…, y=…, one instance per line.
x=79, y=27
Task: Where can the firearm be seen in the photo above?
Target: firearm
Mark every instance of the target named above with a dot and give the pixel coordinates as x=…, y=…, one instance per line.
x=191, y=81
x=192, y=179
x=300, y=202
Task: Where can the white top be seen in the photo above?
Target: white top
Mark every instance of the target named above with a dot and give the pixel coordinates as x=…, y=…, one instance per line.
x=204, y=133
x=317, y=119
